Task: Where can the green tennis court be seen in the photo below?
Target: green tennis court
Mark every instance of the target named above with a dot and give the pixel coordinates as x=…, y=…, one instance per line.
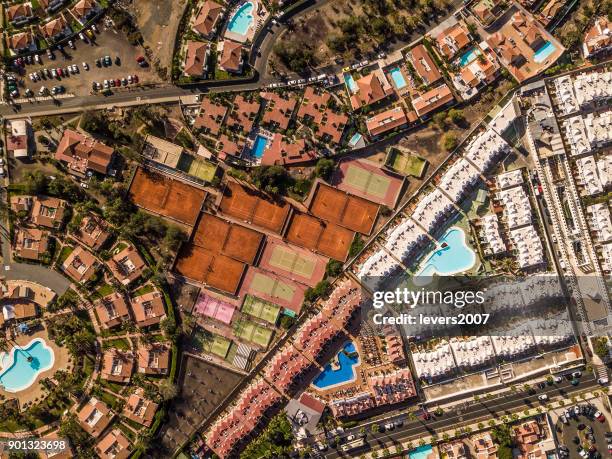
x=367, y=182
x=197, y=167
x=219, y=346
x=272, y=287
x=406, y=163
x=261, y=309
x=291, y=261
x=250, y=331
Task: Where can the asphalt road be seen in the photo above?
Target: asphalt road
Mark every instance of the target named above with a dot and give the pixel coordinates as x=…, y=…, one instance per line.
x=170, y=93
x=481, y=411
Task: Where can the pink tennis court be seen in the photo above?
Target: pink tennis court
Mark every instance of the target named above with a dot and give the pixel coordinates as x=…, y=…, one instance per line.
x=215, y=308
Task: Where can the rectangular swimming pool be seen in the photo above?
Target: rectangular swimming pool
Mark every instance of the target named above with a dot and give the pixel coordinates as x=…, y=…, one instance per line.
x=544, y=52
x=350, y=83
x=398, y=78
x=468, y=57
x=259, y=146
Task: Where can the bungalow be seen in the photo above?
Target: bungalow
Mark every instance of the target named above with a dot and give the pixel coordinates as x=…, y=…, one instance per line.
x=452, y=40
x=55, y=29
x=127, y=265
x=386, y=121
x=83, y=154
x=598, y=39
x=19, y=309
x=84, y=10
x=282, y=152
x=154, y=359
x=94, y=417
x=19, y=14
x=528, y=30
x=229, y=147
x=140, y=409
x=92, y=231
x=111, y=310
x=424, y=65
x=30, y=243
x=278, y=110
x=22, y=42
x=18, y=138
x=205, y=21
x=243, y=114
x=80, y=265
x=114, y=445
x=432, y=100
x=330, y=125
x=117, y=366
x=211, y=116
x=370, y=89
x=231, y=56
x=148, y=308
x=196, y=57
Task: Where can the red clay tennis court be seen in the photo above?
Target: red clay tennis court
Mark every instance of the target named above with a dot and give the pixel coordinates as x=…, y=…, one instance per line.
x=218, y=235
x=326, y=238
x=293, y=262
x=209, y=268
x=253, y=207
x=338, y=207
x=366, y=179
x=273, y=288
x=211, y=306
x=166, y=197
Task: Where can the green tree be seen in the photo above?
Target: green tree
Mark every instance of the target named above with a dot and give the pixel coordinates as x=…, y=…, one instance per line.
x=35, y=183
x=333, y=268
x=456, y=116
x=440, y=119
x=168, y=390
x=450, y=141
x=324, y=168
x=271, y=179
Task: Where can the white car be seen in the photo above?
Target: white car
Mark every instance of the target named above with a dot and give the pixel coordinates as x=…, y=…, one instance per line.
x=42, y=91
x=54, y=73
x=351, y=437
x=71, y=44
x=106, y=84
x=1, y=171
x=389, y=426
x=557, y=379
x=37, y=58
x=130, y=79
x=584, y=453
x=32, y=77
x=85, y=66
x=94, y=28
x=543, y=397
x=75, y=68
x=81, y=36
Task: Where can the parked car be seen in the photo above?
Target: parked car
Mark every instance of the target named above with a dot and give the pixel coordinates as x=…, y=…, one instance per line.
x=50, y=54
x=543, y=397
x=557, y=379
x=599, y=416
x=135, y=78
x=85, y=66
x=389, y=426
x=71, y=44
x=576, y=374
x=37, y=58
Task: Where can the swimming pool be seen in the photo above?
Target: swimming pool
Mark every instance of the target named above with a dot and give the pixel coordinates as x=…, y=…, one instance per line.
x=469, y=56
x=544, y=52
x=421, y=452
x=242, y=19
x=455, y=258
x=347, y=360
x=350, y=83
x=259, y=146
x=18, y=373
x=398, y=77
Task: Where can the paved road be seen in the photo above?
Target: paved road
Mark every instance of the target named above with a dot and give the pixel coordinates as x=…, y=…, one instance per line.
x=170, y=93
x=480, y=411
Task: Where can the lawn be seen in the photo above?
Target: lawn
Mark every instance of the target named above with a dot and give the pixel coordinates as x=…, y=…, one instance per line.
x=119, y=343
x=148, y=288
x=66, y=250
x=103, y=291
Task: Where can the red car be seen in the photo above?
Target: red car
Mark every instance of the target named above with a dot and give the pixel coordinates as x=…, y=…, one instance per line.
x=599, y=416
x=140, y=59
x=135, y=78
x=60, y=72
x=117, y=82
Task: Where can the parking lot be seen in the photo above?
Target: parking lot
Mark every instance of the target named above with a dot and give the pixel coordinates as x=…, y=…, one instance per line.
x=108, y=42
x=581, y=432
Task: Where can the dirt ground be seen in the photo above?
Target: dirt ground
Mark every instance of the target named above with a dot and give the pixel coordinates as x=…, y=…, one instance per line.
x=159, y=22
x=203, y=387
x=108, y=42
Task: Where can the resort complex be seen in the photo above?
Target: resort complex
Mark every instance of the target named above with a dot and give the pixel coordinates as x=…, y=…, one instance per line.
x=306, y=229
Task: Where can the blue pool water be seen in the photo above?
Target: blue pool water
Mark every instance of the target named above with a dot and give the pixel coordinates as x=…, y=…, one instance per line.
x=242, y=19
x=398, y=78
x=350, y=83
x=421, y=452
x=453, y=259
x=18, y=373
x=541, y=54
x=469, y=56
x=330, y=377
x=259, y=146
